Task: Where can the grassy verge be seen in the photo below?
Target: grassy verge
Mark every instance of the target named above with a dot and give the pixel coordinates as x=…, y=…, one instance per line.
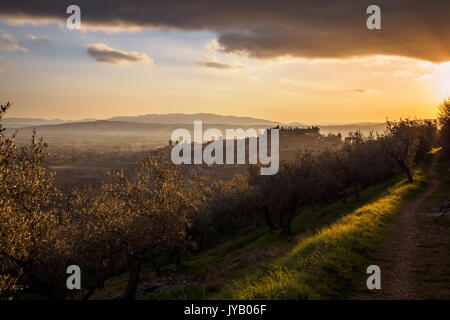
x=333, y=262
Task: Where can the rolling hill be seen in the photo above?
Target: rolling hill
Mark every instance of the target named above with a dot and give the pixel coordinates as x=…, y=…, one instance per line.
x=208, y=118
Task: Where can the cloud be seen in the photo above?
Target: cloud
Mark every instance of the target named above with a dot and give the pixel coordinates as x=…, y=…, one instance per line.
x=2, y=60
x=364, y=90
x=103, y=53
x=213, y=46
x=211, y=62
x=402, y=73
x=38, y=40
x=9, y=43
x=265, y=29
x=425, y=77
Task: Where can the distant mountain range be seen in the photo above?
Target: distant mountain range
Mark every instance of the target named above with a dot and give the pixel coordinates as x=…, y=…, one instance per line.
x=27, y=122
x=30, y=122
x=145, y=132
x=207, y=118
x=163, y=124
x=172, y=118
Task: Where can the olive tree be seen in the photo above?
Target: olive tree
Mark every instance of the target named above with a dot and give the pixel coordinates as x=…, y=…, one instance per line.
x=444, y=119
x=33, y=246
x=407, y=142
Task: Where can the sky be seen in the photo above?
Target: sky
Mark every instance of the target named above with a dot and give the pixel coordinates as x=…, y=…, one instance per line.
x=289, y=61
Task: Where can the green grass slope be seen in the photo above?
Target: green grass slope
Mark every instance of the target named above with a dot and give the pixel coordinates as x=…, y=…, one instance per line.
x=332, y=263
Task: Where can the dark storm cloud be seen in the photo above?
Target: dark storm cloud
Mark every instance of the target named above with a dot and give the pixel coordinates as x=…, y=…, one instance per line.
x=268, y=29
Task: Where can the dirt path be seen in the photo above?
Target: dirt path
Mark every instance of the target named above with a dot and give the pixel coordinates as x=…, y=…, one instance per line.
x=398, y=256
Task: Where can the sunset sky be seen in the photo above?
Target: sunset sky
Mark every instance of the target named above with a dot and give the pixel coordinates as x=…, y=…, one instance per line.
x=302, y=61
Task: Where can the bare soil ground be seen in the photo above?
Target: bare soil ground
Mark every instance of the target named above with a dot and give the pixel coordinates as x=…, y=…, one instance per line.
x=414, y=255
